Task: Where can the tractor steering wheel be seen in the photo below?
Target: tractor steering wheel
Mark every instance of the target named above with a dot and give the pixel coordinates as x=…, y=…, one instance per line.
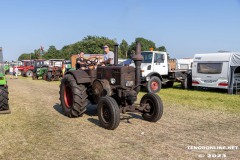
x=92, y=62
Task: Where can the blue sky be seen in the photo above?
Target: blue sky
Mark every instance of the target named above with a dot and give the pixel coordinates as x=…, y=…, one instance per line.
x=184, y=27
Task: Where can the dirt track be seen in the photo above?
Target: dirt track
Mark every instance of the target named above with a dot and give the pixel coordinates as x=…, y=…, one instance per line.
x=36, y=129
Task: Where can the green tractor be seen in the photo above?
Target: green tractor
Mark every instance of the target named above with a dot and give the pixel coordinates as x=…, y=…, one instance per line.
x=6, y=67
x=40, y=69
x=4, y=107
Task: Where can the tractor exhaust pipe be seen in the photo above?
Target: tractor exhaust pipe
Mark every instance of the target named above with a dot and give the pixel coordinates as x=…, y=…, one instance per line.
x=137, y=58
x=115, y=54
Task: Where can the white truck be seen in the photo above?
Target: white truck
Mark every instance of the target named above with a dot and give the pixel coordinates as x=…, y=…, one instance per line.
x=156, y=71
x=216, y=70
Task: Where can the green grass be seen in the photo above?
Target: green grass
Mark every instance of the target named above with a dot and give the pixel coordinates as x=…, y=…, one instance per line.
x=204, y=99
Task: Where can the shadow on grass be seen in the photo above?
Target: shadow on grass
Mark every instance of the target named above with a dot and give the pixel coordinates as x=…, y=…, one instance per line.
x=94, y=121
x=91, y=109
x=128, y=116
x=58, y=108
x=202, y=89
x=92, y=112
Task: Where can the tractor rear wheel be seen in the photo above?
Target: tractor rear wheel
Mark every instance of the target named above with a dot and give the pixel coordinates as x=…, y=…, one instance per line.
x=108, y=113
x=29, y=73
x=3, y=99
x=73, y=97
x=154, y=107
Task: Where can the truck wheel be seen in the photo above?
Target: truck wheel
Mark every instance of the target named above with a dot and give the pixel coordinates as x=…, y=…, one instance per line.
x=108, y=113
x=73, y=97
x=49, y=76
x=4, y=99
x=154, y=85
x=29, y=73
x=154, y=107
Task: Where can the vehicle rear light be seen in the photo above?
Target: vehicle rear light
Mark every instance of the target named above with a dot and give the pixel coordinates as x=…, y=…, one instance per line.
x=223, y=84
x=195, y=82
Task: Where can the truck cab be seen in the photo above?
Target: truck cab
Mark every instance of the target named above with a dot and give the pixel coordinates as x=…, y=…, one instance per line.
x=154, y=62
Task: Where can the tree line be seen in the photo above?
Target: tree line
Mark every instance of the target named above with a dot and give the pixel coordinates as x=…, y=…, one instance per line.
x=90, y=45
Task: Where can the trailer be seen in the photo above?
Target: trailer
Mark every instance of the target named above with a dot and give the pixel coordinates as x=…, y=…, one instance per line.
x=184, y=63
x=217, y=70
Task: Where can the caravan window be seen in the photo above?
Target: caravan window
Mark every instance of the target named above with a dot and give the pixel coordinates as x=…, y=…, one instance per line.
x=209, y=68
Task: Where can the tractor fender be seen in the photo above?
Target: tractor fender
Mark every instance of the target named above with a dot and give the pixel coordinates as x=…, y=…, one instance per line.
x=80, y=76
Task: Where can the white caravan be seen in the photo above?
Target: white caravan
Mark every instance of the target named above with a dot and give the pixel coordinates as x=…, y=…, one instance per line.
x=216, y=70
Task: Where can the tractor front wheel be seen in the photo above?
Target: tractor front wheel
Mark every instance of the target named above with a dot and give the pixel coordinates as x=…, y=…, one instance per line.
x=108, y=113
x=153, y=107
x=73, y=97
x=49, y=76
x=4, y=100
x=34, y=76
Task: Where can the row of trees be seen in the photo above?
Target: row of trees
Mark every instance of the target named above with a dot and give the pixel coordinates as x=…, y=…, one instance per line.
x=90, y=44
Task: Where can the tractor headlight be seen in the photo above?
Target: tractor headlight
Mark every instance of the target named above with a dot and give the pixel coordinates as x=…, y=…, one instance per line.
x=113, y=80
x=129, y=83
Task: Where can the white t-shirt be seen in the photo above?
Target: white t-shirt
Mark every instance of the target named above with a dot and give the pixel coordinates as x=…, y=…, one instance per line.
x=10, y=69
x=110, y=54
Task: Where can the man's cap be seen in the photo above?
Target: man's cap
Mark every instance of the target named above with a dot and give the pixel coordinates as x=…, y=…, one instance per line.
x=106, y=46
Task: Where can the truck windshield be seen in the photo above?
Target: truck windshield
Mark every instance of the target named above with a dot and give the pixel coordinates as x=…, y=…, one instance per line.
x=209, y=68
x=147, y=57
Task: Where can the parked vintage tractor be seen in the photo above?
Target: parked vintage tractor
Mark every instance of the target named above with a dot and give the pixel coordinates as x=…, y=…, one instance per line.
x=26, y=69
x=113, y=88
x=4, y=107
x=6, y=67
x=55, y=70
x=40, y=69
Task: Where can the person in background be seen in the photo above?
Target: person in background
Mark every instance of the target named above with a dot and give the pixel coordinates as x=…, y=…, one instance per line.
x=108, y=55
x=11, y=72
x=16, y=72
x=80, y=61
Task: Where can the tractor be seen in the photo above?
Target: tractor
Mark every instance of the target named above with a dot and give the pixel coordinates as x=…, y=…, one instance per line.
x=4, y=107
x=114, y=88
x=26, y=68
x=55, y=70
x=40, y=68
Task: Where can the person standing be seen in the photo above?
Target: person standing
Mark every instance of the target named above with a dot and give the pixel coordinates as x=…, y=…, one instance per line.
x=11, y=72
x=16, y=72
x=80, y=61
x=108, y=55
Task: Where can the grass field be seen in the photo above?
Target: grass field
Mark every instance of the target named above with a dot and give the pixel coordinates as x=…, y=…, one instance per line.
x=37, y=129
